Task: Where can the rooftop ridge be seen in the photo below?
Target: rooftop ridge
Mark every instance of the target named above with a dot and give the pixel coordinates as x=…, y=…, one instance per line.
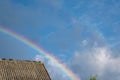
x=19, y=60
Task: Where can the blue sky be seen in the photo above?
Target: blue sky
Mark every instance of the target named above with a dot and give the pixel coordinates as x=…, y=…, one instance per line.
x=84, y=34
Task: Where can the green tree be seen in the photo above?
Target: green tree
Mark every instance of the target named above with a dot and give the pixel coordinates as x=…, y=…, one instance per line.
x=93, y=78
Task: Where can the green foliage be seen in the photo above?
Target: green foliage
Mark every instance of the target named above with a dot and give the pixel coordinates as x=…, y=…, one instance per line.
x=93, y=78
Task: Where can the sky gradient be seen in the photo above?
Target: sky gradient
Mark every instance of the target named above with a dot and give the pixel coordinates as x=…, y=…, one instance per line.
x=82, y=34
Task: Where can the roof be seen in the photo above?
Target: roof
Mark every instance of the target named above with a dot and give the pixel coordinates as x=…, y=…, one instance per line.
x=22, y=70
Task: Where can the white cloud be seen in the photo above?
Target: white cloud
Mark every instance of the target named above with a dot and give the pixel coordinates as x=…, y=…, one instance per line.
x=114, y=64
x=84, y=42
x=99, y=59
x=96, y=61
x=39, y=58
x=55, y=72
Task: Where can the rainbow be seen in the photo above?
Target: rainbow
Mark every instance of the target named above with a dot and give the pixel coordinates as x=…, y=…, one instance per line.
x=41, y=51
